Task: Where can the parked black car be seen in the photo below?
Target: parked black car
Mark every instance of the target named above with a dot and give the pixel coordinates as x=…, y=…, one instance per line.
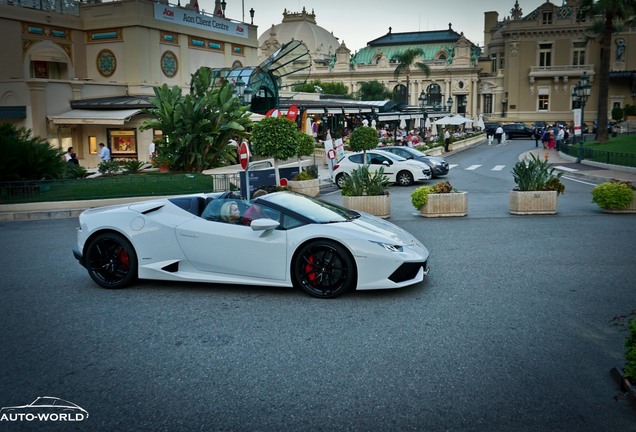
x=518, y=130
x=490, y=128
x=439, y=167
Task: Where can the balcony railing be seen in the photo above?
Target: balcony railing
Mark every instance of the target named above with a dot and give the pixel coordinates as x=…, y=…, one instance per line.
x=564, y=70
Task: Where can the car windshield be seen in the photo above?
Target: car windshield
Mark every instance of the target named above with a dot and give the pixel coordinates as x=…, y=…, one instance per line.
x=314, y=210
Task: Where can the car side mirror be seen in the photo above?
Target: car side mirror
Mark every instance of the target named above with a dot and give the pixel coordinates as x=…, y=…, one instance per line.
x=386, y=163
x=264, y=224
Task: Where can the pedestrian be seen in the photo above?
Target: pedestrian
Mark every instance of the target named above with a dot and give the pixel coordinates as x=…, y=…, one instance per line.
x=537, y=136
x=67, y=155
x=447, y=137
x=73, y=160
x=499, y=133
x=104, y=153
x=546, y=137
x=560, y=137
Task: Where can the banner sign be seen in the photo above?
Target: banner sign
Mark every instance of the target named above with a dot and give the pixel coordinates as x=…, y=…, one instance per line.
x=192, y=18
x=577, y=121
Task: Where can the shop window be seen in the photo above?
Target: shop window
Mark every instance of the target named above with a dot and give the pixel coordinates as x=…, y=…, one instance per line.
x=123, y=143
x=92, y=145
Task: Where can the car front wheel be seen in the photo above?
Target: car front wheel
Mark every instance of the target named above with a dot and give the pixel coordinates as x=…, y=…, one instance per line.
x=111, y=261
x=323, y=269
x=404, y=178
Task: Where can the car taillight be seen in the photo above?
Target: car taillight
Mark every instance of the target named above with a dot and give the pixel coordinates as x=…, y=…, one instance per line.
x=335, y=167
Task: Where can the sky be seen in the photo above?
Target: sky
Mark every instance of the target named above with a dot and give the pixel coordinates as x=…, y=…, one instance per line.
x=360, y=21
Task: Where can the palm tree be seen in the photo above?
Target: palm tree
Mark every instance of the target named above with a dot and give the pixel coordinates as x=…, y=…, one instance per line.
x=406, y=60
x=608, y=15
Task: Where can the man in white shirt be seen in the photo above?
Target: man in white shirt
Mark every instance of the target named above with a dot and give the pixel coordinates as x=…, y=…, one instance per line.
x=499, y=134
x=104, y=153
x=67, y=156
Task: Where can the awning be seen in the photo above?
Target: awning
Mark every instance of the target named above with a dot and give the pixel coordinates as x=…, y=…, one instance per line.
x=98, y=117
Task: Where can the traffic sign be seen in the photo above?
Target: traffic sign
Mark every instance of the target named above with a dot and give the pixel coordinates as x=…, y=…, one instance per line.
x=331, y=154
x=244, y=155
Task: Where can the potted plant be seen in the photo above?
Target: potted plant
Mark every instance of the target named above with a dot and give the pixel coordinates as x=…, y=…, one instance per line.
x=627, y=374
x=365, y=191
x=440, y=200
x=615, y=196
x=537, y=187
x=306, y=181
x=163, y=160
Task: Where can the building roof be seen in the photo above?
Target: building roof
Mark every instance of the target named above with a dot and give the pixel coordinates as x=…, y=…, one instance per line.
x=416, y=38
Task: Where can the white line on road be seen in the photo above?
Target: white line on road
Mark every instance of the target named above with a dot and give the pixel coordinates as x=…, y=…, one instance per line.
x=498, y=167
x=563, y=168
x=579, y=181
x=472, y=167
x=451, y=166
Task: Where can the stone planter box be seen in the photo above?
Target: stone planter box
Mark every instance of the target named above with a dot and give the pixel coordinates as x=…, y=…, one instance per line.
x=631, y=208
x=445, y=204
x=306, y=187
x=533, y=202
x=378, y=205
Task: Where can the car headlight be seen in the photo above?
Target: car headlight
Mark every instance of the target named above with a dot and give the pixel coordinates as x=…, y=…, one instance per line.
x=389, y=247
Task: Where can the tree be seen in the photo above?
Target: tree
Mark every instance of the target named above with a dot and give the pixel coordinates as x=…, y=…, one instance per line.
x=373, y=91
x=197, y=127
x=406, y=60
x=608, y=15
x=316, y=86
x=25, y=157
x=275, y=137
x=363, y=138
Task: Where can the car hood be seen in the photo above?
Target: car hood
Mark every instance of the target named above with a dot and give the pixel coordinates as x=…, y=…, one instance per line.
x=383, y=228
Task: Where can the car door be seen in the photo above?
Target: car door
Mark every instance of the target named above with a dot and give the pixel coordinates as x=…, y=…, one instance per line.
x=377, y=161
x=234, y=249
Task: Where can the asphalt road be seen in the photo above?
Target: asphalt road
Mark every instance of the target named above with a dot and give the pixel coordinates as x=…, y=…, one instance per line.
x=510, y=332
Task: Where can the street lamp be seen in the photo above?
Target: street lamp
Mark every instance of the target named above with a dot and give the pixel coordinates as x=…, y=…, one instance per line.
x=223, y=5
x=449, y=103
x=422, y=100
x=252, y=15
x=582, y=91
x=504, y=103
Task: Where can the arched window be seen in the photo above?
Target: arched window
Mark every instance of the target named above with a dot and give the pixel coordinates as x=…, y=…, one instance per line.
x=434, y=92
x=399, y=93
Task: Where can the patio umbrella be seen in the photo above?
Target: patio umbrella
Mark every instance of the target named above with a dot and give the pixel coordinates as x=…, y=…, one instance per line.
x=453, y=120
x=373, y=123
x=427, y=123
x=403, y=124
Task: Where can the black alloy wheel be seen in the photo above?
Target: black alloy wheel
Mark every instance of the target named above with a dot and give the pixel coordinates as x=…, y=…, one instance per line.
x=340, y=178
x=111, y=261
x=323, y=269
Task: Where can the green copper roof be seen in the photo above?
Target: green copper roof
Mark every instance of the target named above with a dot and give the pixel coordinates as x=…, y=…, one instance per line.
x=366, y=54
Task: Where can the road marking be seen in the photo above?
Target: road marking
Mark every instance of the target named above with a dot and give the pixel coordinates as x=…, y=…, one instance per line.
x=563, y=168
x=579, y=181
x=498, y=167
x=472, y=167
x=451, y=166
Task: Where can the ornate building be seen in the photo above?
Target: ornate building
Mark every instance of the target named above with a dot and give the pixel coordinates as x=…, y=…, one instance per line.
x=532, y=63
x=526, y=72
x=80, y=73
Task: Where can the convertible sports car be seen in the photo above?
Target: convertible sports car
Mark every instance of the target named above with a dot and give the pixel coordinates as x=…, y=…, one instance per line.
x=279, y=239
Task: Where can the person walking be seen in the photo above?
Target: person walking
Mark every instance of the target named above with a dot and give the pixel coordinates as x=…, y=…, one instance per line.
x=104, y=153
x=499, y=133
x=67, y=155
x=447, y=137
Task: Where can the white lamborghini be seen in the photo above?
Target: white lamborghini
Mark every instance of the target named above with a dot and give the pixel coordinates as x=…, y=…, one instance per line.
x=289, y=240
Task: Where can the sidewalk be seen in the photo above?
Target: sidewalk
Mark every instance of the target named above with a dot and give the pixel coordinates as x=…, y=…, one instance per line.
x=66, y=209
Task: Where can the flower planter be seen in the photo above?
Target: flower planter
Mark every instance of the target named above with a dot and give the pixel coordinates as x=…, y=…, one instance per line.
x=627, y=386
x=533, y=202
x=631, y=208
x=445, y=204
x=378, y=205
x=306, y=187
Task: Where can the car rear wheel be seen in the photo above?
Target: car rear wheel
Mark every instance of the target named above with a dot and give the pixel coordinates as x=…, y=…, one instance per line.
x=404, y=178
x=340, y=180
x=111, y=261
x=323, y=269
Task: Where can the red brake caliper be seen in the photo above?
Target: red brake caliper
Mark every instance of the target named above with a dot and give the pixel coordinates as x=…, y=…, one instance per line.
x=309, y=269
x=123, y=258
